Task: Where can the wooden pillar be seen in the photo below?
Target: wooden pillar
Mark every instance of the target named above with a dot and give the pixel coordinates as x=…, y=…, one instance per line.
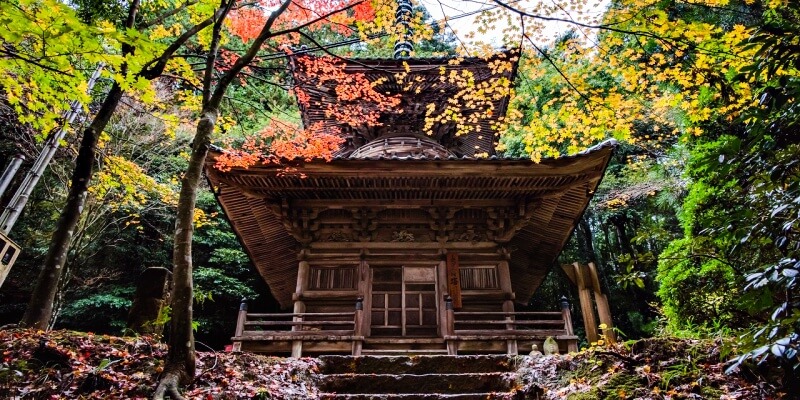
x=358, y=330
x=302, y=277
x=240, y=320
x=299, y=305
x=452, y=345
x=504, y=276
x=587, y=309
x=365, y=291
x=603, y=309
x=442, y=295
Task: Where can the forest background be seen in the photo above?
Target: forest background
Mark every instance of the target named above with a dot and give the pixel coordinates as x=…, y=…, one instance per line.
x=694, y=229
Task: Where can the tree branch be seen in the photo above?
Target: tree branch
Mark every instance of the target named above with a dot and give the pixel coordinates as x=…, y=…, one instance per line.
x=211, y=60
x=161, y=62
x=16, y=55
x=168, y=14
x=216, y=97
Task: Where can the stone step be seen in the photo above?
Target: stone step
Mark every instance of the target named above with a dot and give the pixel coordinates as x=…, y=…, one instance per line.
x=427, y=364
x=429, y=383
x=421, y=396
x=402, y=352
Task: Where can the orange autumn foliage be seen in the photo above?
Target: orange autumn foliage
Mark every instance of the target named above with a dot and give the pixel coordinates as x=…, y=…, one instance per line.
x=247, y=20
x=281, y=141
x=357, y=104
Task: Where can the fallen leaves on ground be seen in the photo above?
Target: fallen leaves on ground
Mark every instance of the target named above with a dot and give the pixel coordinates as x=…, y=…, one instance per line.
x=67, y=365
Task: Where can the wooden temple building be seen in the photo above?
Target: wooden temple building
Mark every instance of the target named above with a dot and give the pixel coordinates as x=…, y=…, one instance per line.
x=413, y=239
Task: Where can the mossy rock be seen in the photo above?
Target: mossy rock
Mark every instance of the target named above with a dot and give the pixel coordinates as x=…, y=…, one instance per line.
x=620, y=386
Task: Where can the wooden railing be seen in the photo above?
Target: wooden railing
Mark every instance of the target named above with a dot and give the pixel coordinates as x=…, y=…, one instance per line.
x=510, y=327
x=342, y=331
x=298, y=328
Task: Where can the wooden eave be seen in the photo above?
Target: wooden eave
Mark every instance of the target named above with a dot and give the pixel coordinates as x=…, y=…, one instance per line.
x=424, y=82
x=560, y=189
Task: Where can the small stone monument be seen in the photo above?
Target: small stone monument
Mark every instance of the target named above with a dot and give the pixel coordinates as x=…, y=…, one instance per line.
x=550, y=346
x=535, y=353
x=152, y=295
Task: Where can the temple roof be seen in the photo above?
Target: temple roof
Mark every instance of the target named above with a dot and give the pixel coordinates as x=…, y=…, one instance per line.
x=551, y=196
x=427, y=87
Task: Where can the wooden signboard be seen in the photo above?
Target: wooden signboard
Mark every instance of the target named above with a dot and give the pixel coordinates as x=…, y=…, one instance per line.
x=454, y=279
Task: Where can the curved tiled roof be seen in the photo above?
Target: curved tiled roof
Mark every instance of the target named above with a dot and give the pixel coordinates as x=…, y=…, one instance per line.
x=562, y=188
x=421, y=83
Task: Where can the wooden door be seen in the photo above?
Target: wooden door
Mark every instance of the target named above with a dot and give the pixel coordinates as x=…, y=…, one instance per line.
x=404, y=302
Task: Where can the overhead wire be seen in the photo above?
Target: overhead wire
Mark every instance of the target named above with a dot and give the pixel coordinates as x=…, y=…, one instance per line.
x=349, y=42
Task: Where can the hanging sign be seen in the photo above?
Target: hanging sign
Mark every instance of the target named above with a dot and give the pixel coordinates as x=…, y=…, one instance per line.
x=454, y=279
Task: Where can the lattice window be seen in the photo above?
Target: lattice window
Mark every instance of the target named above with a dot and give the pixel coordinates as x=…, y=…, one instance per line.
x=332, y=278
x=478, y=277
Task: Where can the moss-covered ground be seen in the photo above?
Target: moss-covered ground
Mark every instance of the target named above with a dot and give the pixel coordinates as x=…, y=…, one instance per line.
x=659, y=368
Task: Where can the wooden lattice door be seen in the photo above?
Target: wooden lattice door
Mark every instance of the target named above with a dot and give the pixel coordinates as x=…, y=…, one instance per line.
x=404, y=302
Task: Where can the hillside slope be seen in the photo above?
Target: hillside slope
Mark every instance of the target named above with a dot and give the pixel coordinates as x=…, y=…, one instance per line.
x=68, y=365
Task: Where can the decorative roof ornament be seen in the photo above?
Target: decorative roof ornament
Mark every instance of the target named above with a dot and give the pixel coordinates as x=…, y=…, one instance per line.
x=403, y=47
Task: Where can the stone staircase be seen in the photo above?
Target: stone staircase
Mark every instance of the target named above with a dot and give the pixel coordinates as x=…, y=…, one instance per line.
x=424, y=377
x=403, y=347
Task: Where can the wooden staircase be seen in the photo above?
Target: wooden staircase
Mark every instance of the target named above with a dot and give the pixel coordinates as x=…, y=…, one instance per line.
x=424, y=377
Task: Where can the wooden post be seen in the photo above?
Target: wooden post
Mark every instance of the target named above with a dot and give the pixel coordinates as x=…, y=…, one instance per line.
x=302, y=277
x=587, y=309
x=240, y=320
x=297, y=345
x=452, y=345
x=442, y=288
x=300, y=306
x=603, y=310
x=511, y=344
x=572, y=345
x=504, y=276
x=358, y=329
x=585, y=277
x=365, y=289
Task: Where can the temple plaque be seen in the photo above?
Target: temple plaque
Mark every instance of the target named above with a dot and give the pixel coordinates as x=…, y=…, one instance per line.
x=454, y=279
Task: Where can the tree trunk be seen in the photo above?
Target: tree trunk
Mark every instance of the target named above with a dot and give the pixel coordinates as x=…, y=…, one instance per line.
x=180, y=366
x=585, y=240
x=619, y=221
x=40, y=307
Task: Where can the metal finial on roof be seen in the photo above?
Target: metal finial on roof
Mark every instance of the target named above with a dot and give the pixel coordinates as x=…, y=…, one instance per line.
x=403, y=47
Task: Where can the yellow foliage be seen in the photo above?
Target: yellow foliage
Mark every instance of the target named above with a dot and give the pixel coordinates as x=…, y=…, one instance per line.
x=202, y=219
x=121, y=184
x=585, y=91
